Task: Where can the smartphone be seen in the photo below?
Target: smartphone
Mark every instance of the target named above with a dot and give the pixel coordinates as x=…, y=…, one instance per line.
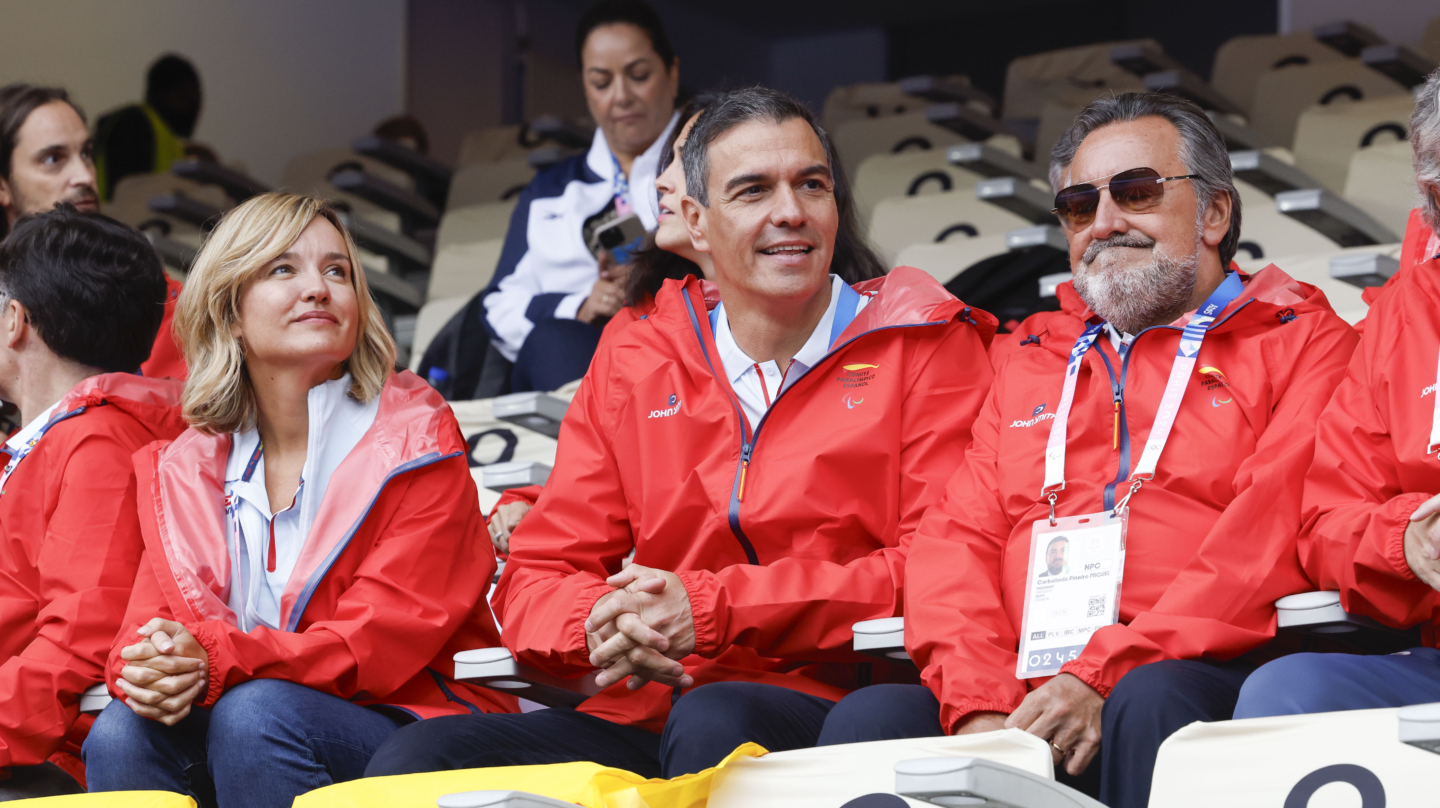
x=618, y=233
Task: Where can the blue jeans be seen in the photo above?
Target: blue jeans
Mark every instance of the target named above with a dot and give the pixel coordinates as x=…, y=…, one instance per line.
x=1327, y=683
x=264, y=743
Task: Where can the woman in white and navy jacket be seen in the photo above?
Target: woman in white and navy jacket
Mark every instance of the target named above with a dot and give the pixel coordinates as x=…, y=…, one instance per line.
x=550, y=295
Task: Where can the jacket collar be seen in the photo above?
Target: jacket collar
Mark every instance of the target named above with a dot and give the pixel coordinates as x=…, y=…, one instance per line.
x=413, y=427
x=155, y=402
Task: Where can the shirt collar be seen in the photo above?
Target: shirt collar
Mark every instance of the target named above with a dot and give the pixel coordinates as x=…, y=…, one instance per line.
x=737, y=362
x=19, y=439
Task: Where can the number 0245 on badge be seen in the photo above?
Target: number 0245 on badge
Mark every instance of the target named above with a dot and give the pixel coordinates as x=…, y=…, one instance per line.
x=1072, y=588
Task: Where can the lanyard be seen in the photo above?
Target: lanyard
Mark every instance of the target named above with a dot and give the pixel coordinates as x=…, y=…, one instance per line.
x=1185, y=357
x=30, y=445
x=622, y=190
x=1435, y=422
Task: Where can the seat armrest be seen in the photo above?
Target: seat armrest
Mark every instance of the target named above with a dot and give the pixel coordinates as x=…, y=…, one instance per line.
x=1363, y=269
x=1319, y=614
x=1267, y=173
x=1049, y=283
x=1347, y=37
x=537, y=412
x=431, y=176
x=1399, y=63
x=497, y=669
x=941, y=89
x=1333, y=217
x=175, y=253
x=410, y=253
x=499, y=799
x=191, y=211
x=500, y=477
x=1420, y=726
x=964, y=120
x=1041, y=235
x=988, y=161
x=1185, y=84
x=883, y=638
x=1019, y=197
x=236, y=185
x=973, y=781
x=94, y=699
x=412, y=207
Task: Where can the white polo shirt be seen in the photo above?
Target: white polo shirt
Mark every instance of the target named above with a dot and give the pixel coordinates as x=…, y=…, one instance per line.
x=758, y=384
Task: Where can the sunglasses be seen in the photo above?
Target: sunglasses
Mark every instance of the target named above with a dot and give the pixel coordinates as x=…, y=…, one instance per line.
x=1137, y=191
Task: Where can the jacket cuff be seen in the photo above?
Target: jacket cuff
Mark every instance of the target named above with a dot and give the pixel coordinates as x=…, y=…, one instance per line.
x=704, y=591
x=952, y=716
x=214, y=680
x=1394, y=549
x=585, y=605
x=1088, y=671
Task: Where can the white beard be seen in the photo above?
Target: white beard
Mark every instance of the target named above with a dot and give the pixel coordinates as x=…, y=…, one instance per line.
x=1134, y=298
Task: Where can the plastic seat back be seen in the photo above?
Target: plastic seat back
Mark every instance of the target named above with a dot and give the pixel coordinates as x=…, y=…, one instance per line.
x=907, y=173
x=1072, y=77
x=899, y=222
x=471, y=223
x=952, y=256
x=1381, y=182
x=461, y=270
x=1242, y=60
x=1281, y=96
x=490, y=183
x=859, y=138
x=1328, y=136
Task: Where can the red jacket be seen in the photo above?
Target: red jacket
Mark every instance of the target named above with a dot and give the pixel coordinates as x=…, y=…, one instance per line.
x=389, y=586
x=1211, y=537
x=69, y=547
x=1371, y=468
x=776, y=570
x=165, y=358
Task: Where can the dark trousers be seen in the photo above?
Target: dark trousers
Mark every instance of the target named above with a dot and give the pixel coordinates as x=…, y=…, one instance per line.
x=264, y=743
x=705, y=725
x=555, y=353
x=1327, y=683
x=1146, y=707
x=31, y=782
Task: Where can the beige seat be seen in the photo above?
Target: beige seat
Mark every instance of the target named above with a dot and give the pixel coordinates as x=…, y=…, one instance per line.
x=131, y=201
x=433, y=316
x=882, y=176
x=1381, y=182
x=473, y=223
x=1273, y=232
x=947, y=259
x=1327, y=136
x=1242, y=60
x=488, y=183
x=491, y=145
x=309, y=174
x=1282, y=95
x=461, y=270
x=1070, y=76
x=871, y=100
x=900, y=222
x=860, y=138
x=1314, y=268
x=1054, y=120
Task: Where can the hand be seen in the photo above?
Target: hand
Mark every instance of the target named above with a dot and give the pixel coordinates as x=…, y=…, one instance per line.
x=982, y=721
x=606, y=298
x=168, y=672
x=1066, y=712
x=1422, y=543
x=641, y=629
x=503, y=522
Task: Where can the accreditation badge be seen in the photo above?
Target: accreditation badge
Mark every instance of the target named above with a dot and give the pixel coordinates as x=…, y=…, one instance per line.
x=1072, y=588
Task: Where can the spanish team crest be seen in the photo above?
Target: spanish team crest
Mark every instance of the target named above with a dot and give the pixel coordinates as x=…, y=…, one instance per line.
x=856, y=375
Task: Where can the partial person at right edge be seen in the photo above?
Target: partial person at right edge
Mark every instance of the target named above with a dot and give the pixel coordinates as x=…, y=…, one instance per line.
x=1372, y=496
x=554, y=290
x=47, y=157
x=752, y=559
x=80, y=301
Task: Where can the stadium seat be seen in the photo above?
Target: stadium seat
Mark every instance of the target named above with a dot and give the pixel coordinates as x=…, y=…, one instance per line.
x=1364, y=269
x=993, y=159
x=497, y=669
x=501, y=477
x=489, y=183
x=432, y=317
x=1348, y=37
x=1329, y=213
x=1327, y=136
x=1069, y=77
x=1430, y=39
x=1266, y=233
x=492, y=440
x=310, y=173
x=236, y=184
x=537, y=412
x=1420, y=726
x=431, y=177
x=1162, y=74
x=1030, y=200
x=946, y=259
x=949, y=89
x=975, y=125
x=980, y=782
x=1282, y=95
x=418, y=215
x=883, y=638
x=461, y=270
x=131, y=201
x=1381, y=182
x=883, y=99
x=1270, y=171
x=1286, y=760
x=859, y=138
x=1242, y=60
x=1405, y=66
x=907, y=173
x=1055, y=118
x=491, y=145
x=899, y=222
x=1315, y=268
x=471, y=223
x=93, y=700
x=1319, y=614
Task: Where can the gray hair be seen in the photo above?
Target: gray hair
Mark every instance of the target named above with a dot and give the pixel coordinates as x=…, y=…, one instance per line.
x=1425, y=142
x=1202, y=150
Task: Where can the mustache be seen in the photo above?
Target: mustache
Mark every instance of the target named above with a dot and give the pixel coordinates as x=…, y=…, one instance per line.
x=1123, y=240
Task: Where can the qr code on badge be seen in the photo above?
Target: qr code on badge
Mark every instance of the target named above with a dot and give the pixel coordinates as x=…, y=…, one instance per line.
x=1096, y=607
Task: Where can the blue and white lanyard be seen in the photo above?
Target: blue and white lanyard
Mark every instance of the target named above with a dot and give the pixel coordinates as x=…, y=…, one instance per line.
x=30, y=446
x=1188, y=353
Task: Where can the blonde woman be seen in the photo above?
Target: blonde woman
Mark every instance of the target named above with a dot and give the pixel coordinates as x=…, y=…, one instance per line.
x=315, y=550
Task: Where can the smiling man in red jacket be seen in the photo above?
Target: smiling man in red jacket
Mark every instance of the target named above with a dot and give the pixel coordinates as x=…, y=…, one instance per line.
x=1372, y=514
x=1160, y=423
x=764, y=456
x=81, y=297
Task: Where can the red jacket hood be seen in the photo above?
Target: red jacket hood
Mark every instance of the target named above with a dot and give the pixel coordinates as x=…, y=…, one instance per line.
x=153, y=402
x=409, y=431
x=1268, y=295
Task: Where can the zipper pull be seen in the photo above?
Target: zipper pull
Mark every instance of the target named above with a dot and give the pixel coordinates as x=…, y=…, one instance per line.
x=1117, y=420
x=744, y=467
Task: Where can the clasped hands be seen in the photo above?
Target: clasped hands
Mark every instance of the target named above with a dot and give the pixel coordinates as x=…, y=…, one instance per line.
x=165, y=672
x=641, y=629
x=1064, y=711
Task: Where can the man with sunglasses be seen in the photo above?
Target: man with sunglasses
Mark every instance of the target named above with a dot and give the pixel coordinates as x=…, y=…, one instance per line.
x=1161, y=422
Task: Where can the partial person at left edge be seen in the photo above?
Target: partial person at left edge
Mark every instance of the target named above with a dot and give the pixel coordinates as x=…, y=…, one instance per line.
x=80, y=301
x=47, y=157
